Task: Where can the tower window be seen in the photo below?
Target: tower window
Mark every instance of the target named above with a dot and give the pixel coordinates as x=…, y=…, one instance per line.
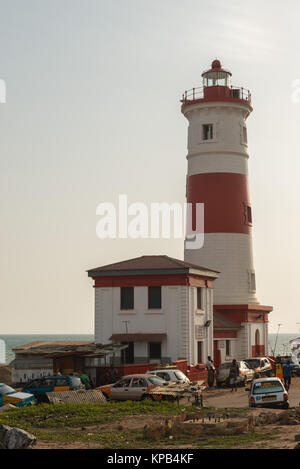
x=249, y=214
x=207, y=131
x=245, y=138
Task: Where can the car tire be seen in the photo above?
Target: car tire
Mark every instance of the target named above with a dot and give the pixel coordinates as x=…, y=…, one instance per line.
x=147, y=397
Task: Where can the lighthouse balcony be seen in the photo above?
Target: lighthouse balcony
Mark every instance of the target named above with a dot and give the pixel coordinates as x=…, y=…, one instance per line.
x=216, y=93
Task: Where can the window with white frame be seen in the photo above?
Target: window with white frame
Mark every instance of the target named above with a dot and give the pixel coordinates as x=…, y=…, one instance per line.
x=207, y=131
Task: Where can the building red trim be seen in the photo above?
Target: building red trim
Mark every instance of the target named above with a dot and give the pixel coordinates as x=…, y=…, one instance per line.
x=152, y=281
x=224, y=334
x=225, y=197
x=244, y=313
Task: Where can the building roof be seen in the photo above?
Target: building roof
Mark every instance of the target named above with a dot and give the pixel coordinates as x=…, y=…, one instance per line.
x=150, y=264
x=30, y=346
x=221, y=322
x=65, y=348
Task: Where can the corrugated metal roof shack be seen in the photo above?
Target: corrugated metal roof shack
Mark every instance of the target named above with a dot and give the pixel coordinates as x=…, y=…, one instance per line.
x=41, y=358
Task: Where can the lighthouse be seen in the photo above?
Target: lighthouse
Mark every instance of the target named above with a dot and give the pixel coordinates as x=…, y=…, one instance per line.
x=217, y=176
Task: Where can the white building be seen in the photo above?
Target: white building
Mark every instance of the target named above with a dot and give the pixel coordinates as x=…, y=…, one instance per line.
x=162, y=307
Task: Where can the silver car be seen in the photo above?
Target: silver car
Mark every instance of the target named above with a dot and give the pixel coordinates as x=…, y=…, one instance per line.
x=169, y=374
x=246, y=374
x=132, y=387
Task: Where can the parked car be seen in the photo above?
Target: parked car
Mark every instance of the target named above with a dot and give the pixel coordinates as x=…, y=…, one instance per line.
x=268, y=392
x=132, y=387
x=222, y=376
x=39, y=387
x=9, y=395
x=170, y=374
x=261, y=365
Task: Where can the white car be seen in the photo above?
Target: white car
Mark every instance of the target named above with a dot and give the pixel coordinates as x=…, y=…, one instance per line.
x=268, y=392
x=222, y=376
x=171, y=374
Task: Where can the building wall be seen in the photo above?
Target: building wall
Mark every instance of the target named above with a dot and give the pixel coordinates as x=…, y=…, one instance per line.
x=177, y=318
x=232, y=349
x=27, y=367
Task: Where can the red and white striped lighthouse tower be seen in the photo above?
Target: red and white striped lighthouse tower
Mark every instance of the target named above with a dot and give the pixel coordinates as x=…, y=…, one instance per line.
x=218, y=177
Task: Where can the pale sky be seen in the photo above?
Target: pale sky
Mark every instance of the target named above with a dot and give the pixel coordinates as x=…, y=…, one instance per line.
x=93, y=111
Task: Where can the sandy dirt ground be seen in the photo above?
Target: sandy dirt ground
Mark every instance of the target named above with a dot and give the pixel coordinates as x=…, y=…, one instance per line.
x=222, y=398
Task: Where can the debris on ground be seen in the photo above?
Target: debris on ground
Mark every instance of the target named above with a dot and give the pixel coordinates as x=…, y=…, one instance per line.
x=181, y=390
x=15, y=438
x=81, y=396
x=7, y=407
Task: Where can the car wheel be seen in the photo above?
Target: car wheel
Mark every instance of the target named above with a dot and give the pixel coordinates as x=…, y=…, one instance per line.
x=147, y=397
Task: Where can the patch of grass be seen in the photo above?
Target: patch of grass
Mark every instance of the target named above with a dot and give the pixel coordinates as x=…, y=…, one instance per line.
x=78, y=415
x=88, y=424
x=234, y=441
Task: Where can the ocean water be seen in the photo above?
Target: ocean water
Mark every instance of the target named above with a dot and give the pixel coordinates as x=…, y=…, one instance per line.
x=282, y=346
x=11, y=341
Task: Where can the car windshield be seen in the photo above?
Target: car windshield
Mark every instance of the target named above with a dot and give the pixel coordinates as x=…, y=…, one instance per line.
x=179, y=375
x=263, y=387
x=156, y=380
x=4, y=389
x=253, y=363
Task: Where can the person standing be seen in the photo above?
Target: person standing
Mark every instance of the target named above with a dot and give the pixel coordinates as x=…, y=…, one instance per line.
x=287, y=374
x=85, y=379
x=211, y=372
x=112, y=374
x=279, y=370
x=234, y=373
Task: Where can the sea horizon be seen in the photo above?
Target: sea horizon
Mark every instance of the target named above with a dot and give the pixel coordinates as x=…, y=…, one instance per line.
x=15, y=340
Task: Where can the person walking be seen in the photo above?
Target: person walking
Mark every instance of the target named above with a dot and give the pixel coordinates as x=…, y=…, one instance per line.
x=234, y=373
x=287, y=374
x=211, y=372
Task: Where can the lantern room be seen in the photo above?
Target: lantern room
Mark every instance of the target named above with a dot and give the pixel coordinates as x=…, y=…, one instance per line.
x=216, y=75
x=216, y=86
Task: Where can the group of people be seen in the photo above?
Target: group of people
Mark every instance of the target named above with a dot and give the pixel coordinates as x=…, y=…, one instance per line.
x=283, y=371
x=233, y=373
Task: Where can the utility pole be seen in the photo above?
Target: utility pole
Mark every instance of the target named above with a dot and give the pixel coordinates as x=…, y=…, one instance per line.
x=276, y=338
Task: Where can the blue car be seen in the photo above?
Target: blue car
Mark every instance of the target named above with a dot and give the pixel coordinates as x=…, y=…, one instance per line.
x=39, y=387
x=9, y=395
